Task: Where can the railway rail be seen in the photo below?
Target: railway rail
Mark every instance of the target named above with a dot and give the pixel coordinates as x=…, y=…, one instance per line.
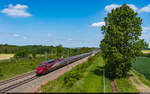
x=18, y=84
x=16, y=78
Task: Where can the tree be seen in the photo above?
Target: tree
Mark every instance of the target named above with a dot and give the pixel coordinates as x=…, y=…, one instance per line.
x=121, y=43
x=60, y=50
x=21, y=54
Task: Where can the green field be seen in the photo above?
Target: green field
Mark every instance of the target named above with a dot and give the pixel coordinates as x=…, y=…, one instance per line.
x=142, y=65
x=10, y=68
x=92, y=80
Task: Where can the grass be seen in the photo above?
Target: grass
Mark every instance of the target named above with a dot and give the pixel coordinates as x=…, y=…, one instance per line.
x=4, y=61
x=92, y=81
x=21, y=66
x=141, y=78
x=142, y=66
x=124, y=85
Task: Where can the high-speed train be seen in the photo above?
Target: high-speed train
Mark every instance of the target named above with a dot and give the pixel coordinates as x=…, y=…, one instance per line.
x=50, y=65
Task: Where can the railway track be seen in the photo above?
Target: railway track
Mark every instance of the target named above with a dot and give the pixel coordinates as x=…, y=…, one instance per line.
x=16, y=78
x=18, y=84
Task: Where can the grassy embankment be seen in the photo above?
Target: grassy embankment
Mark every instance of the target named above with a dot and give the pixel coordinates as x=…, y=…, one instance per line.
x=141, y=69
x=124, y=85
x=14, y=68
x=90, y=80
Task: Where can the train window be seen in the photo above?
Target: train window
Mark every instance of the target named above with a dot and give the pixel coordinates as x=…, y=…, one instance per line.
x=51, y=61
x=41, y=65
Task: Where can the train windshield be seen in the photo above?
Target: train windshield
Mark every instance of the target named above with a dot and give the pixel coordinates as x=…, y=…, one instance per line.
x=41, y=65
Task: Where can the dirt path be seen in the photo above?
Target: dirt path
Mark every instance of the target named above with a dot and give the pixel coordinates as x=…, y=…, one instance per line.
x=113, y=85
x=138, y=84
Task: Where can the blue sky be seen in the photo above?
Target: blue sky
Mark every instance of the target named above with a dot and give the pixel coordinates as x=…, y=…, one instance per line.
x=72, y=23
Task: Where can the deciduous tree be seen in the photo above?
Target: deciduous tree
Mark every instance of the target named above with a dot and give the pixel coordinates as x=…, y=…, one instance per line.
x=121, y=43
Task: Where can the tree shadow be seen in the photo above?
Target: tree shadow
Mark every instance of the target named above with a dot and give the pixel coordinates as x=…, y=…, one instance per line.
x=99, y=72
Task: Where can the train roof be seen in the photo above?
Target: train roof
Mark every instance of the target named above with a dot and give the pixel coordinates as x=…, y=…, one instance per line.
x=45, y=62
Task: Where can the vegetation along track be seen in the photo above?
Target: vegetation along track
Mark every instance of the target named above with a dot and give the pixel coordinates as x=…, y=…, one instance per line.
x=16, y=78
x=17, y=84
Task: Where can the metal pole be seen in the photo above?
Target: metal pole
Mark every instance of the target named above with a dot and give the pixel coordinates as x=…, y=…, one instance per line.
x=104, y=78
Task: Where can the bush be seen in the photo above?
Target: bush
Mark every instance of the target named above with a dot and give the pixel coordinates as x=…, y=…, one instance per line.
x=21, y=54
x=71, y=77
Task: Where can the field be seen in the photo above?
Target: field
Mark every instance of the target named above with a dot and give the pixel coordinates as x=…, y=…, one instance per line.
x=142, y=65
x=13, y=68
x=5, y=56
x=146, y=51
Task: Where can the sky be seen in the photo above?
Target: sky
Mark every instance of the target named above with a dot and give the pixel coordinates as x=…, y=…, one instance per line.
x=72, y=23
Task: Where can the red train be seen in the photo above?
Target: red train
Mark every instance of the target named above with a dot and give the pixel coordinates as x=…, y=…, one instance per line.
x=51, y=65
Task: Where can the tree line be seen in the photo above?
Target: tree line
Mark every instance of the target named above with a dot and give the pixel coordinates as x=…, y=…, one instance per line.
x=58, y=50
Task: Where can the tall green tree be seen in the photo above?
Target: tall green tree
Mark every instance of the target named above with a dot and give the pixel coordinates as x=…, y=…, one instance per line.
x=60, y=50
x=121, y=43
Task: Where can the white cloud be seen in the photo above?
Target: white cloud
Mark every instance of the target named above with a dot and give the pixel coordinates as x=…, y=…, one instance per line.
x=113, y=6
x=16, y=35
x=16, y=11
x=145, y=9
x=146, y=28
x=98, y=24
x=133, y=7
x=110, y=7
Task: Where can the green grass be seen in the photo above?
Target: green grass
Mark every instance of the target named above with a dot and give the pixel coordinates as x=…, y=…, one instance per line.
x=141, y=77
x=124, y=85
x=4, y=61
x=142, y=66
x=22, y=66
x=92, y=81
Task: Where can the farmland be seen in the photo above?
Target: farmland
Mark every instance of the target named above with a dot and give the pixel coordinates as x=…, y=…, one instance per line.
x=5, y=56
x=142, y=65
x=146, y=51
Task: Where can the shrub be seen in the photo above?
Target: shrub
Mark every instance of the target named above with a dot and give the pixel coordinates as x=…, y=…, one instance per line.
x=21, y=54
x=71, y=77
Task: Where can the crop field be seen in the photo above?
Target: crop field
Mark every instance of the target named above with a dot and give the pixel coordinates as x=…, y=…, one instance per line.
x=146, y=51
x=142, y=65
x=5, y=56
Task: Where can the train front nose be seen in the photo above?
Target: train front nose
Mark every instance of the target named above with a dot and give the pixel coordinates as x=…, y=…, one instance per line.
x=40, y=70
